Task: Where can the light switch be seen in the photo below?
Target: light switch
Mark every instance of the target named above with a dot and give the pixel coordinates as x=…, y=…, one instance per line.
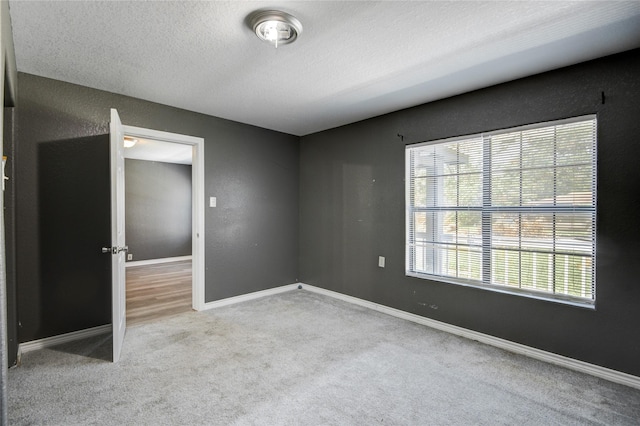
x=212, y=201
x=381, y=261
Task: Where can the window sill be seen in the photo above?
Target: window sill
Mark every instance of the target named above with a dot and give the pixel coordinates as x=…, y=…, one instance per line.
x=576, y=302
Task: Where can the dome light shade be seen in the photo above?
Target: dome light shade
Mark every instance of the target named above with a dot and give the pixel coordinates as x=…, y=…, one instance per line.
x=275, y=27
x=129, y=142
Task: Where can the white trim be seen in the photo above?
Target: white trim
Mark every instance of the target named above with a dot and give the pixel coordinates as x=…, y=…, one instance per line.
x=48, y=342
x=197, y=184
x=563, y=361
x=250, y=296
x=197, y=245
x=159, y=135
x=157, y=261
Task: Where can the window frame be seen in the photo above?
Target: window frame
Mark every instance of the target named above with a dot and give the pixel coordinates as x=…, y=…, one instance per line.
x=487, y=211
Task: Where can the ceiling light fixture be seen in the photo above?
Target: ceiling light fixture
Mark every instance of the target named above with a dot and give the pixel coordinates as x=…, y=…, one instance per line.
x=130, y=142
x=275, y=27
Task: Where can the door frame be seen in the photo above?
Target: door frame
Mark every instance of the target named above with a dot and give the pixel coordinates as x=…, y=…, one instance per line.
x=197, y=202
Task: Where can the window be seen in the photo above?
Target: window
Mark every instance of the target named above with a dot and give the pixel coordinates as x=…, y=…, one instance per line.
x=511, y=210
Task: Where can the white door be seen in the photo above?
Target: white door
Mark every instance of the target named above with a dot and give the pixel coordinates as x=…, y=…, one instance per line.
x=118, y=247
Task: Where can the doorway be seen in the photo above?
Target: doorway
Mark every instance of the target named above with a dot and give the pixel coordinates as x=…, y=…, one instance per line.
x=158, y=290
x=158, y=216
x=174, y=284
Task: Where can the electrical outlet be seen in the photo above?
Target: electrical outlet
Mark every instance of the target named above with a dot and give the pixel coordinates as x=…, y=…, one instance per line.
x=129, y=256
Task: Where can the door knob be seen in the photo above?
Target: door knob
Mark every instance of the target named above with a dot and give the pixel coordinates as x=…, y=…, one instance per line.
x=115, y=250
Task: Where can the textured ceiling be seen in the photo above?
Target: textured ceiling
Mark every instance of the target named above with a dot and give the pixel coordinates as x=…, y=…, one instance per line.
x=354, y=60
x=154, y=150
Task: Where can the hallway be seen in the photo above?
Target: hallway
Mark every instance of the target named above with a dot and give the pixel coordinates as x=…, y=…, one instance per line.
x=157, y=291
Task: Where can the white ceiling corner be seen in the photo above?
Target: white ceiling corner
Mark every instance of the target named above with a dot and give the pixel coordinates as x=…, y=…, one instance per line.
x=354, y=60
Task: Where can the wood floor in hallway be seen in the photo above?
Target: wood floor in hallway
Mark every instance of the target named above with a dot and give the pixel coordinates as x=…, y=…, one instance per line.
x=157, y=291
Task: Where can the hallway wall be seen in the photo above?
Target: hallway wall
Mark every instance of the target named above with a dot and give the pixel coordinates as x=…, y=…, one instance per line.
x=157, y=209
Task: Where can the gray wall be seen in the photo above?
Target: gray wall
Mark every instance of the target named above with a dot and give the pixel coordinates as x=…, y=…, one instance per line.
x=251, y=238
x=8, y=84
x=73, y=214
x=10, y=234
x=352, y=210
x=157, y=209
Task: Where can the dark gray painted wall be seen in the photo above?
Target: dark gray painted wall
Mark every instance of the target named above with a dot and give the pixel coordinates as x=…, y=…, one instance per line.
x=352, y=211
x=73, y=226
x=251, y=237
x=10, y=237
x=157, y=209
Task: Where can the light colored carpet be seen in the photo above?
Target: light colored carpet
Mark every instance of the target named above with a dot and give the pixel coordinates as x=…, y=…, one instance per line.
x=300, y=358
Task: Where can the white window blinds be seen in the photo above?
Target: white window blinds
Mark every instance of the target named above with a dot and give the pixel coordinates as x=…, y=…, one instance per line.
x=512, y=210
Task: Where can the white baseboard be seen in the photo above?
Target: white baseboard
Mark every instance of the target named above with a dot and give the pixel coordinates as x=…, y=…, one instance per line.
x=48, y=342
x=249, y=296
x=563, y=361
x=156, y=261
